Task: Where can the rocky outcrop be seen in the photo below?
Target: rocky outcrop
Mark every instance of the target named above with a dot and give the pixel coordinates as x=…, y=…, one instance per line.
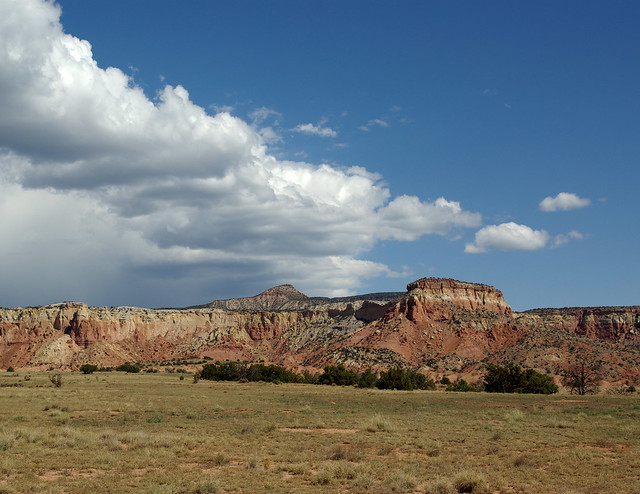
x=439, y=325
x=604, y=323
x=282, y=297
x=469, y=296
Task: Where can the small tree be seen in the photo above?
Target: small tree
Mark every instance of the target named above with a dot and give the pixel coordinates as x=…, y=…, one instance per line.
x=88, y=368
x=367, y=379
x=395, y=378
x=582, y=378
x=460, y=386
x=128, y=367
x=511, y=378
x=502, y=379
x=339, y=375
x=56, y=380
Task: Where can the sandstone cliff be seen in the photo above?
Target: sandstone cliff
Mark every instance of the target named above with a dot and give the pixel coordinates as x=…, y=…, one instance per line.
x=442, y=326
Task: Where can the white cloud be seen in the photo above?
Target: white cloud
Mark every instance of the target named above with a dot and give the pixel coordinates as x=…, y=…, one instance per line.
x=564, y=238
x=564, y=201
x=318, y=130
x=507, y=236
x=107, y=194
x=222, y=108
x=270, y=135
x=259, y=115
x=376, y=122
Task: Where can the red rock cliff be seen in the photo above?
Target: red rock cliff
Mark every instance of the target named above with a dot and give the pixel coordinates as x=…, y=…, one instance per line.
x=469, y=296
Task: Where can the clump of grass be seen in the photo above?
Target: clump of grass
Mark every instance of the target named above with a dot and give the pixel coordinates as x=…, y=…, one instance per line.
x=220, y=459
x=6, y=442
x=28, y=436
x=136, y=439
x=433, y=448
x=513, y=416
x=322, y=478
x=364, y=479
x=520, y=461
x=155, y=419
x=296, y=469
x=440, y=486
x=401, y=482
x=56, y=380
x=340, y=452
x=470, y=481
x=379, y=423
x=209, y=486
x=341, y=470
x=246, y=429
x=110, y=441
x=385, y=449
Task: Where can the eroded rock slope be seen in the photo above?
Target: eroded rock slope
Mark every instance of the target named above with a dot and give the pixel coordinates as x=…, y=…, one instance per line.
x=441, y=326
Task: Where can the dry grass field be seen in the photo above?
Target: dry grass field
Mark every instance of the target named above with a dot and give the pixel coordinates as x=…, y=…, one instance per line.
x=154, y=433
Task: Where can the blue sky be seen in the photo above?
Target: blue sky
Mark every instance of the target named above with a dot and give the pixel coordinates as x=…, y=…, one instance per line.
x=166, y=154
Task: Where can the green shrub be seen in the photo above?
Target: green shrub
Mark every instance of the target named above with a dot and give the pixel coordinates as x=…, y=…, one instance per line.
x=460, y=385
x=10, y=369
x=338, y=375
x=511, y=378
x=88, y=368
x=238, y=371
x=395, y=378
x=420, y=381
x=367, y=379
x=127, y=367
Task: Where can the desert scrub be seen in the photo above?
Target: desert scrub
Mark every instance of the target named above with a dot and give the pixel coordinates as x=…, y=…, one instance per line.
x=378, y=423
x=6, y=442
x=107, y=438
x=341, y=452
x=513, y=416
x=440, y=486
x=208, y=486
x=401, y=481
x=339, y=471
x=470, y=481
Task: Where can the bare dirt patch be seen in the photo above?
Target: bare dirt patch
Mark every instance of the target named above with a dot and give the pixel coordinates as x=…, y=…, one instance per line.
x=325, y=430
x=54, y=475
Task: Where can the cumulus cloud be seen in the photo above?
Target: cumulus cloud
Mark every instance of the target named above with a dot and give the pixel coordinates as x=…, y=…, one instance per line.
x=108, y=193
x=507, y=236
x=564, y=201
x=317, y=130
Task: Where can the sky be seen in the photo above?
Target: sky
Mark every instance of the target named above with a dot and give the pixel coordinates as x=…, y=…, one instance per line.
x=166, y=154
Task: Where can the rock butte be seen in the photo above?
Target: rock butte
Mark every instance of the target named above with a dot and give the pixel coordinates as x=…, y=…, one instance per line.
x=439, y=326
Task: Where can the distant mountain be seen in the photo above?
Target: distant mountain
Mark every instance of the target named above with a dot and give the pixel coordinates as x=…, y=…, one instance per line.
x=286, y=297
x=439, y=326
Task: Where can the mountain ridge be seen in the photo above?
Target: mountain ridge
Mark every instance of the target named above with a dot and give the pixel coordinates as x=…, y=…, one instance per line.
x=440, y=326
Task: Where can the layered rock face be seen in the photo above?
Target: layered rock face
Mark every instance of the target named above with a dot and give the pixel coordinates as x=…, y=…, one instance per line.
x=282, y=297
x=439, y=326
x=442, y=317
x=604, y=323
x=469, y=296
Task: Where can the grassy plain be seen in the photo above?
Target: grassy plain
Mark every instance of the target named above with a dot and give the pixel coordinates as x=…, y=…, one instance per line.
x=154, y=433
